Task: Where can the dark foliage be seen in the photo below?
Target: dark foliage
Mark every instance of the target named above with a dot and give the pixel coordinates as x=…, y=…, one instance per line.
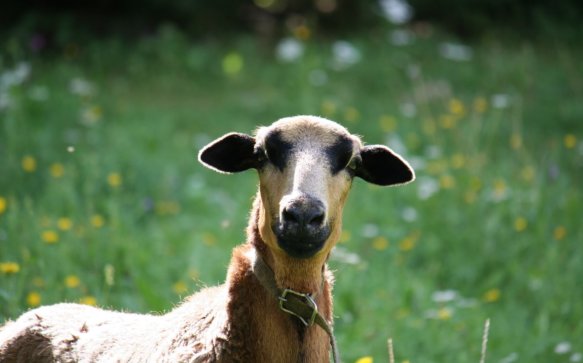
x=61, y=18
x=525, y=17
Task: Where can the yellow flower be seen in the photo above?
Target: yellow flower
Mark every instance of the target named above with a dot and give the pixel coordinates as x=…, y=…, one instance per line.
x=179, y=287
x=209, y=239
x=33, y=299
x=456, y=107
x=28, y=164
x=72, y=281
x=167, y=207
x=109, y=274
x=499, y=188
x=388, y=123
x=444, y=313
x=470, y=196
x=380, y=243
x=559, y=233
x=409, y=242
x=446, y=181
x=9, y=267
x=3, y=205
x=447, y=121
x=402, y=313
x=328, y=108
x=458, y=161
x=345, y=236
x=429, y=126
x=38, y=282
x=515, y=141
x=302, y=32
x=193, y=273
x=435, y=167
x=97, y=221
x=527, y=173
x=91, y=115
x=520, y=224
x=367, y=359
x=50, y=236
x=114, y=180
x=570, y=141
x=491, y=295
x=351, y=114
x=232, y=64
x=88, y=300
x=480, y=105
x=476, y=184
x=57, y=170
x=64, y=224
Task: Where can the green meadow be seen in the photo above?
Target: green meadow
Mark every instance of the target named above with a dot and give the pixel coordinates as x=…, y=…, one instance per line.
x=103, y=202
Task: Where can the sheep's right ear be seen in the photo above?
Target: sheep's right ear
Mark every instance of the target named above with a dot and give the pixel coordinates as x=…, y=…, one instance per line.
x=231, y=153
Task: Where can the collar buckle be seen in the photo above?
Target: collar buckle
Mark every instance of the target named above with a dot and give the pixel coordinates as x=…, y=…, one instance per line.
x=299, y=305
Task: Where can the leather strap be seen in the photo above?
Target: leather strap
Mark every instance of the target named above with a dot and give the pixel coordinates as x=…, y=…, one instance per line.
x=297, y=304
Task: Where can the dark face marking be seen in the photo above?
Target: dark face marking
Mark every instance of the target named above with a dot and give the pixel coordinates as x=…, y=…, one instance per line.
x=339, y=154
x=277, y=150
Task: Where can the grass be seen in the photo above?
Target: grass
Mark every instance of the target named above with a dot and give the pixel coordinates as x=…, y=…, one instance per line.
x=102, y=200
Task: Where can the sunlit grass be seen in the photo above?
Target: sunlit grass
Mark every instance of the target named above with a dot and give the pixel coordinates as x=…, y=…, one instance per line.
x=102, y=201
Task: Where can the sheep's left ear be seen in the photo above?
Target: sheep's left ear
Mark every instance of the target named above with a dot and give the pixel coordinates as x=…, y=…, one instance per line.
x=232, y=153
x=380, y=165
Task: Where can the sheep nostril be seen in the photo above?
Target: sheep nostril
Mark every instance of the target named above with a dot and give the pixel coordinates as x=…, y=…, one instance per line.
x=317, y=220
x=290, y=215
x=301, y=217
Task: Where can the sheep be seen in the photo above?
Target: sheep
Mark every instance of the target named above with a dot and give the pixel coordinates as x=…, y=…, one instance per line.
x=306, y=165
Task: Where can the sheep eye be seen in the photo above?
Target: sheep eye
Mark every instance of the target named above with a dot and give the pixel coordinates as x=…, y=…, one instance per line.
x=353, y=163
x=261, y=155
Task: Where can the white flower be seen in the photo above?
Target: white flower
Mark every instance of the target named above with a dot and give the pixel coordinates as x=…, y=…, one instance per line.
x=5, y=100
x=409, y=214
x=81, y=87
x=465, y=303
x=370, y=230
x=456, y=52
x=408, y=109
x=417, y=163
x=512, y=357
x=576, y=357
x=397, y=11
x=396, y=144
x=15, y=77
x=341, y=254
x=426, y=187
x=500, y=101
x=289, y=50
x=563, y=348
x=345, y=54
x=434, y=152
x=444, y=296
x=401, y=37
x=11, y=78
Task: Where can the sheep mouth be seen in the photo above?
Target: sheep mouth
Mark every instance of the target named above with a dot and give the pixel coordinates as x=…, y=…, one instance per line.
x=301, y=244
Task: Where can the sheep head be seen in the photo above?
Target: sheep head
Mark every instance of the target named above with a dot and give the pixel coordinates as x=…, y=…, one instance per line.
x=306, y=165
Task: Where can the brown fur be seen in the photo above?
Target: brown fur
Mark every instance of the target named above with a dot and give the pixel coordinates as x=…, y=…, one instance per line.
x=239, y=321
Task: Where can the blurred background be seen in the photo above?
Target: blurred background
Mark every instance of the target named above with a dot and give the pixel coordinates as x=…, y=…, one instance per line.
x=105, y=104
